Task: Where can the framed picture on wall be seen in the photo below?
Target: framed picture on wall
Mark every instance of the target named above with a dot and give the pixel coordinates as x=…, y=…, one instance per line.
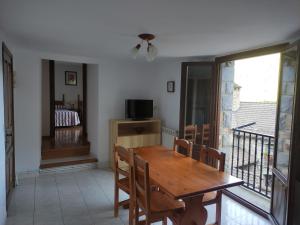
x=71, y=78
x=171, y=86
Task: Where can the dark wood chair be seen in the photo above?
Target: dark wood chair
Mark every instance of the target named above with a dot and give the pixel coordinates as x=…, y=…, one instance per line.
x=122, y=177
x=205, y=134
x=216, y=159
x=191, y=133
x=156, y=205
x=185, y=144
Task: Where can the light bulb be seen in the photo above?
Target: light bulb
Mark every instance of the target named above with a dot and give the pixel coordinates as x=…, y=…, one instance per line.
x=151, y=52
x=135, y=51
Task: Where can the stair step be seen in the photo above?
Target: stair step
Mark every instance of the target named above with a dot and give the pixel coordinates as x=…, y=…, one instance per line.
x=66, y=151
x=67, y=161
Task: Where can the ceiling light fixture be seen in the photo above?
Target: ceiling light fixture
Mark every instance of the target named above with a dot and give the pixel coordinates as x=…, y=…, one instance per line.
x=151, y=49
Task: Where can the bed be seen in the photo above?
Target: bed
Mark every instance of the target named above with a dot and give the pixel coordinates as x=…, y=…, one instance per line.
x=65, y=117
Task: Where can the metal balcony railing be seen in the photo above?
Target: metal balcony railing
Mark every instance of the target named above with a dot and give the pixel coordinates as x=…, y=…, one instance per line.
x=252, y=160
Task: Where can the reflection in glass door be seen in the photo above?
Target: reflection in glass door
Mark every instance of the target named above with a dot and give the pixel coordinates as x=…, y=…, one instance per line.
x=284, y=131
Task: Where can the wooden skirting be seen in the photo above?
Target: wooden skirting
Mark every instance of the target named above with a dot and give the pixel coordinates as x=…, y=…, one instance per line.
x=67, y=162
x=66, y=152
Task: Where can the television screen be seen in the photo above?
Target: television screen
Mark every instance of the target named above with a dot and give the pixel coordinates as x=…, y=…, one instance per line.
x=138, y=109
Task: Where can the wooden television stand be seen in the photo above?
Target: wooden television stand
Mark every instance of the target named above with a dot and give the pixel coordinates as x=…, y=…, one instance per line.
x=134, y=133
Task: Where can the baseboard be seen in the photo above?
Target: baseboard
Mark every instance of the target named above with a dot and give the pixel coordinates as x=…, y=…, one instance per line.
x=26, y=174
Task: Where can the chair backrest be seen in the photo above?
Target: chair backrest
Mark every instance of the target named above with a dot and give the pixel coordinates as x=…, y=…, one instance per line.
x=185, y=144
x=191, y=132
x=205, y=134
x=212, y=157
x=121, y=154
x=141, y=183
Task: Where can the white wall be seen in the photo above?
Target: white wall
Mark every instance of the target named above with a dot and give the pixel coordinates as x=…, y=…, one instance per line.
x=70, y=92
x=93, y=108
x=120, y=81
x=28, y=110
x=168, y=104
x=45, y=98
x=117, y=81
x=2, y=145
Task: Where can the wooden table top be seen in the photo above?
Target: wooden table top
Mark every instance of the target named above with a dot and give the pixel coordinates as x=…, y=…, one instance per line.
x=182, y=176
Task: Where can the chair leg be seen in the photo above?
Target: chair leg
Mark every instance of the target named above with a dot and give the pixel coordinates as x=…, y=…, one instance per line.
x=116, y=203
x=165, y=221
x=219, y=209
x=131, y=213
x=136, y=214
x=147, y=221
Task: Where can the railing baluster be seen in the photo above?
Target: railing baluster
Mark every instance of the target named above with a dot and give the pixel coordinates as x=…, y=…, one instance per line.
x=256, y=186
x=232, y=157
x=261, y=161
x=244, y=138
x=255, y=155
x=238, y=155
x=249, y=156
x=268, y=165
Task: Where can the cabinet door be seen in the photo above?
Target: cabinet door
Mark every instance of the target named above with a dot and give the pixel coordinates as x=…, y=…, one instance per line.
x=284, y=133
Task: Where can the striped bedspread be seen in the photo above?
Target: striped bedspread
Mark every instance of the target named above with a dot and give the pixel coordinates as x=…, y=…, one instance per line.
x=66, y=118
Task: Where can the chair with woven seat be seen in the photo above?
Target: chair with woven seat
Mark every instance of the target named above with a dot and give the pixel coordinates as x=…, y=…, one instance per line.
x=122, y=177
x=182, y=143
x=216, y=159
x=156, y=205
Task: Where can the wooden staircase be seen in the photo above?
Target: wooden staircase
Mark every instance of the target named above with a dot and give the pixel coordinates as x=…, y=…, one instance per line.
x=56, y=155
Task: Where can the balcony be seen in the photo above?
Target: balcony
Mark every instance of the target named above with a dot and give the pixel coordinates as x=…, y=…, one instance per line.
x=252, y=161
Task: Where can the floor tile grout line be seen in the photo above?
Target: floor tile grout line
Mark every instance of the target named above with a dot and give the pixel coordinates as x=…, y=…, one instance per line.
x=106, y=196
x=98, y=184
x=59, y=199
x=89, y=213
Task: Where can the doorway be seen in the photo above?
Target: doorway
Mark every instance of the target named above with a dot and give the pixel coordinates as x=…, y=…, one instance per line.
x=64, y=140
x=8, y=82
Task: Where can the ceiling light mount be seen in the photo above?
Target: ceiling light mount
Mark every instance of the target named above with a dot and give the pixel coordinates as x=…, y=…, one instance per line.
x=146, y=37
x=151, y=49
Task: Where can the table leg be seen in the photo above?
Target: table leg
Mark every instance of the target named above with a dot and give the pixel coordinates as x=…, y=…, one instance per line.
x=194, y=213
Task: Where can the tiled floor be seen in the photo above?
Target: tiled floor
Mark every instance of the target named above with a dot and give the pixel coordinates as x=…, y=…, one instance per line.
x=86, y=198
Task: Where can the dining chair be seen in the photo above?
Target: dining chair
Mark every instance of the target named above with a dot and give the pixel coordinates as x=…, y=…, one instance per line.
x=155, y=204
x=191, y=132
x=122, y=177
x=205, y=134
x=185, y=144
x=216, y=159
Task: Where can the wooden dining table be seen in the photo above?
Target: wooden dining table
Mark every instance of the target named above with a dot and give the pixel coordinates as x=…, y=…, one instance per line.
x=184, y=178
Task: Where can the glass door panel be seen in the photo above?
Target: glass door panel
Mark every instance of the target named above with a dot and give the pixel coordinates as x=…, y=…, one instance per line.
x=286, y=109
x=284, y=132
x=197, y=107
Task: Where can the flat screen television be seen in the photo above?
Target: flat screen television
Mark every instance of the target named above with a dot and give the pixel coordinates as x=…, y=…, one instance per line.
x=138, y=109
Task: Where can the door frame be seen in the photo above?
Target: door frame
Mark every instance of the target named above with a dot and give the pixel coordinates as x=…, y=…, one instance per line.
x=5, y=50
x=215, y=99
x=295, y=143
x=237, y=56
x=52, y=98
x=294, y=156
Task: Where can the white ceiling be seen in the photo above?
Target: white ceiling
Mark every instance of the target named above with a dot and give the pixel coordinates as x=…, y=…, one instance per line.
x=184, y=28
